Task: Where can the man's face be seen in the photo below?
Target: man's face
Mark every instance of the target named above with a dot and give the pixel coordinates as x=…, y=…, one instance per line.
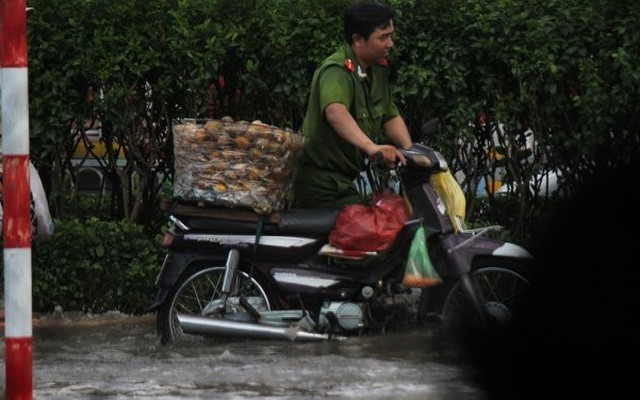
x=379, y=44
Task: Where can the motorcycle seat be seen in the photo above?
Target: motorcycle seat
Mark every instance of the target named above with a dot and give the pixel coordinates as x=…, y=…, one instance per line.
x=291, y=221
x=317, y=220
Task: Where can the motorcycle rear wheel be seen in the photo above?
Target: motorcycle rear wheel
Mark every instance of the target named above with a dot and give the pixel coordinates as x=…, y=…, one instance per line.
x=198, y=292
x=504, y=289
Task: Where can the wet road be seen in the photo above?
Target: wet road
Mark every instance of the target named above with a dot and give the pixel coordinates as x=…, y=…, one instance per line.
x=120, y=357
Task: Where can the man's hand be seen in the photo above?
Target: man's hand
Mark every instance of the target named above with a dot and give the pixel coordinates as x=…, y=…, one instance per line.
x=390, y=154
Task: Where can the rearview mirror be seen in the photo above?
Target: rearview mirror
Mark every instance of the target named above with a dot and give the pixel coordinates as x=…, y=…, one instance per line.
x=429, y=129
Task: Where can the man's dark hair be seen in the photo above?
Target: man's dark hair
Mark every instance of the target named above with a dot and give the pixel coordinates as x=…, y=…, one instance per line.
x=364, y=16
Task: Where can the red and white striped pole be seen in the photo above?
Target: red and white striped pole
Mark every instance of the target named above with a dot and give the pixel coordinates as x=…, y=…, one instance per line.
x=15, y=187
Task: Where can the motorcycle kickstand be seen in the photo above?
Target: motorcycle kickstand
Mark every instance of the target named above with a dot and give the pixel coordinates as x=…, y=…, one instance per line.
x=249, y=308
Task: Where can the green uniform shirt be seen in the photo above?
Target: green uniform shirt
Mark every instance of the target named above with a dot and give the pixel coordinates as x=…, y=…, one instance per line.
x=329, y=164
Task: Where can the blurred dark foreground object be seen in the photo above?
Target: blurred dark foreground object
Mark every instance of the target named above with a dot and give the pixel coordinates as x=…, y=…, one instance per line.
x=580, y=338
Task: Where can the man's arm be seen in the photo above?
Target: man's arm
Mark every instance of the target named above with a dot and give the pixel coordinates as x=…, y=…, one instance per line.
x=342, y=121
x=397, y=131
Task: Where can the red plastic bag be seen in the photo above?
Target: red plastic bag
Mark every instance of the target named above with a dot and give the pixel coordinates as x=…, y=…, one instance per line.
x=370, y=228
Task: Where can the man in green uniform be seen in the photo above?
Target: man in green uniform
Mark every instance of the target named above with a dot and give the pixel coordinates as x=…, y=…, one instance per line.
x=350, y=112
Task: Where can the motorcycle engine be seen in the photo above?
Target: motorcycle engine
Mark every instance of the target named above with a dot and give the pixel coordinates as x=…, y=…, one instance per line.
x=346, y=315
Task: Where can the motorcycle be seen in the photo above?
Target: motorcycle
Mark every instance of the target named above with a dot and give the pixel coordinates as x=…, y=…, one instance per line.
x=235, y=273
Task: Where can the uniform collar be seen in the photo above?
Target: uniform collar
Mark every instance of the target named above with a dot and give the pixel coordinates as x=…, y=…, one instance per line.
x=352, y=64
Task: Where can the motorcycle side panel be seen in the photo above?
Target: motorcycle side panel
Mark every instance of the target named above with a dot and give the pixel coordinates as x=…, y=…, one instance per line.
x=293, y=281
x=272, y=247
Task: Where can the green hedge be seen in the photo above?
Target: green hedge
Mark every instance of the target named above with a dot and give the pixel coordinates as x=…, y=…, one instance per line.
x=95, y=266
x=569, y=70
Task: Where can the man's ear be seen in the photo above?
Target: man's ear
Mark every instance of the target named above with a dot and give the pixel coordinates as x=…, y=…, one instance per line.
x=357, y=39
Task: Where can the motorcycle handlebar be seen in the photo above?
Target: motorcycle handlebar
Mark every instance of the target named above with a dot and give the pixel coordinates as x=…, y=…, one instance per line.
x=377, y=159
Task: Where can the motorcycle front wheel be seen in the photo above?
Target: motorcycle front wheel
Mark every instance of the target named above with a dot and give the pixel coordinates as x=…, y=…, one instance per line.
x=503, y=288
x=198, y=292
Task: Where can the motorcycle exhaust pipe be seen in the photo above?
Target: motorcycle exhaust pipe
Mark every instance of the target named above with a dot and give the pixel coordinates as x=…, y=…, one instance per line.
x=198, y=325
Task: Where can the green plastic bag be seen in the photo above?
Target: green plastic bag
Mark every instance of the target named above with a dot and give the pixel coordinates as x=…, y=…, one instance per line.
x=419, y=271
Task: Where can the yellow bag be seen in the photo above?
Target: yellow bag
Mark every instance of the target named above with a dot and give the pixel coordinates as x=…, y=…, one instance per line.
x=449, y=190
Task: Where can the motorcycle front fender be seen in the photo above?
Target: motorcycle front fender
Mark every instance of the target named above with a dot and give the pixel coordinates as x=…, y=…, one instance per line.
x=508, y=249
x=463, y=248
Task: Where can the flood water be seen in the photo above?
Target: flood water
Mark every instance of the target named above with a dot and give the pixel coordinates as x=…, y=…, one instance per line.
x=120, y=357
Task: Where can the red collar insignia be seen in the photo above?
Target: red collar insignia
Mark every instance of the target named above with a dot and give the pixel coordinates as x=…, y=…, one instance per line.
x=349, y=65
